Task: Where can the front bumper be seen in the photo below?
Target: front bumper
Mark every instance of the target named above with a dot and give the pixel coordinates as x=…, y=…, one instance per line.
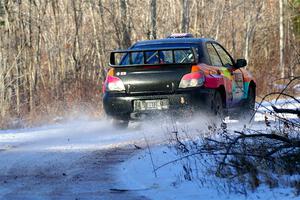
x=120, y=105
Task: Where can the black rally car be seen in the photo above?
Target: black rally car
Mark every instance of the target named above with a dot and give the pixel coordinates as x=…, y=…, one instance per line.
x=175, y=74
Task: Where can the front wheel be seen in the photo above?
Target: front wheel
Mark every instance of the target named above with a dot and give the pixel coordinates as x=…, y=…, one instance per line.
x=249, y=105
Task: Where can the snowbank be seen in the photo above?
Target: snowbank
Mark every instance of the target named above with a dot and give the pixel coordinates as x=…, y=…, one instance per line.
x=136, y=174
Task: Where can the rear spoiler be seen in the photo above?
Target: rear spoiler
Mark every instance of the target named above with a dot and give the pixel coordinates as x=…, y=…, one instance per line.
x=129, y=53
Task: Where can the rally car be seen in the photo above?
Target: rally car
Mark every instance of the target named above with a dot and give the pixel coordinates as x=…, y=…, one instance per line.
x=177, y=73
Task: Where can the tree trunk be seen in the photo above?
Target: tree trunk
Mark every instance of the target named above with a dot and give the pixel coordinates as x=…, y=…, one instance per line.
x=233, y=30
x=153, y=20
x=281, y=38
x=185, y=16
x=103, y=43
x=76, y=42
x=126, y=39
x=95, y=34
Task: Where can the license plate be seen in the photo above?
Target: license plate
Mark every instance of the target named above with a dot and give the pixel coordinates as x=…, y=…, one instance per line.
x=158, y=104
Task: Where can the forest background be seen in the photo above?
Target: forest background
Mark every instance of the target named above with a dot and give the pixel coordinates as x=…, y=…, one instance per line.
x=54, y=53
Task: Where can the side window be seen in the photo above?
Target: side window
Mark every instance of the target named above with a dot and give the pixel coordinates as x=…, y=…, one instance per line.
x=184, y=56
x=224, y=55
x=214, y=57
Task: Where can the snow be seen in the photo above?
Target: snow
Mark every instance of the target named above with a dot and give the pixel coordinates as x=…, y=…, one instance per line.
x=266, y=107
x=137, y=173
x=69, y=161
x=76, y=135
x=65, y=161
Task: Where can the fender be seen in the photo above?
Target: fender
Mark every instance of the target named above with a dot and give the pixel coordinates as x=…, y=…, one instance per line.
x=214, y=81
x=217, y=77
x=248, y=78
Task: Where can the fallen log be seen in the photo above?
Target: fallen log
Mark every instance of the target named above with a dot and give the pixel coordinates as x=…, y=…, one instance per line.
x=285, y=110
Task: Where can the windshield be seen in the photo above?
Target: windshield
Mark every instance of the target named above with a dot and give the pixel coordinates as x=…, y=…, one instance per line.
x=163, y=56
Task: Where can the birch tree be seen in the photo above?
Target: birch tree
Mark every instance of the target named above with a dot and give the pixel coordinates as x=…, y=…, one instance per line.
x=281, y=38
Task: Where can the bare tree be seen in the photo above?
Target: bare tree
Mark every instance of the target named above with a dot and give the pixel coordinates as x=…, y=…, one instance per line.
x=185, y=16
x=50, y=51
x=281, y=37
x=250, y=25
x=153, y=8
x=125, y=25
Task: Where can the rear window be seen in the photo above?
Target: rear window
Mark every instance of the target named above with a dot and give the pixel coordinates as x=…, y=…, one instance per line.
x=174, y=56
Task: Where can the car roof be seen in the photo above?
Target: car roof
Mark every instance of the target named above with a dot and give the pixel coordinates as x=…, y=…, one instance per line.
x=173, y=41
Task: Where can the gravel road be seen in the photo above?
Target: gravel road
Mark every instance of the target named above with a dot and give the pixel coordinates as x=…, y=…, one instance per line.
x=72, y=161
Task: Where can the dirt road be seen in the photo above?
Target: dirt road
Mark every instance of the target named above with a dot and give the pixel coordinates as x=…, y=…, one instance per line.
x=73, y=161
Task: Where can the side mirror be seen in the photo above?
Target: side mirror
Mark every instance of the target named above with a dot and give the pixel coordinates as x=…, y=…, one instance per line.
x=240, y=63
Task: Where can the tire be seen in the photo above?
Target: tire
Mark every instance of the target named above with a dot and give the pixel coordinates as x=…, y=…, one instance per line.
x=120, y=124
x=248, y=107
x=215, y=105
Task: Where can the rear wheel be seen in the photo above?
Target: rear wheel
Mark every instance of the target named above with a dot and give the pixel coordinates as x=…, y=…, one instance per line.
x=215, y=105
